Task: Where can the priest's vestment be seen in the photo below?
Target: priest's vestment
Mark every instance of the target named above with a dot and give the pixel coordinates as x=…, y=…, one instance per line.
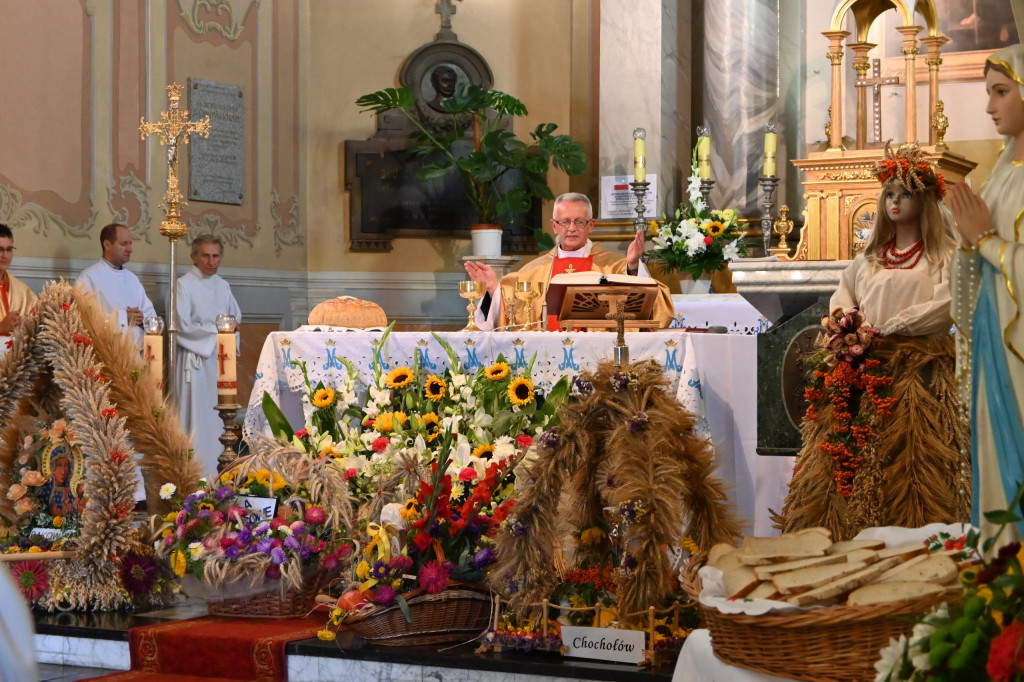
x=200, y=300
x=118, y=289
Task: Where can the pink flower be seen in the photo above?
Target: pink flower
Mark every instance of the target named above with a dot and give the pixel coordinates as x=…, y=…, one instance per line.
x=315, y=515
x=350, y=473
x=381, y=444
x=467, y=474
x=857, y=349
x=302, y=434
x=32, y=578
x=432, y=577
x=16, y=492
x=57, y=429
x=24, y=505
x=277, y=522
x=33, y=478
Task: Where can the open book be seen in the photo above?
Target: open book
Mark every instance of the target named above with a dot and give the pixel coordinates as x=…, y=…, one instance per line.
x=583, y=299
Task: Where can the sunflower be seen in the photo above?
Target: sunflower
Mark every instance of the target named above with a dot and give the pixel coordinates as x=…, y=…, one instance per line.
x=179, y=562
x=432, y=426
x=714, y=228
x=324, y=397
x=32, y=578
x=520, y=392
x=385, y=421
x=399, y=377
x=205, y=505
x=435, y=387
x=483, y=451
x=263, y=477
x=409, y=511
x=497, y=371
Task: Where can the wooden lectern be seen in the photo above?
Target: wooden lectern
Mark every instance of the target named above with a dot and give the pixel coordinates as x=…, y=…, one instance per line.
x=584, y=300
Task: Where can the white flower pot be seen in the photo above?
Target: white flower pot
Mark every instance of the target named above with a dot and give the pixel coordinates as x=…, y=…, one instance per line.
x=486, y=241
x=695, y=287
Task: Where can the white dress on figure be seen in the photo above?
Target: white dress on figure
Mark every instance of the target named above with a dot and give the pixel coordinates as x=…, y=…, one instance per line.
x=117, y=290
x=200, y=300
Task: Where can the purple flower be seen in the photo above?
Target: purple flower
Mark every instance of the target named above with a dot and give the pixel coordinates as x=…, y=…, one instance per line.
x=385, y=595
x=581, y=386
x=232, y=551
x=264, y=545
x=304, y=554
x=518, y=529
x=483, y=558
x=245, y=536
x=262, y=528
x=550, y=439
x=628, y=562
x=277, y=556
x=292, y=543
x=637, y=422
x=380, y=570
x=224, y=493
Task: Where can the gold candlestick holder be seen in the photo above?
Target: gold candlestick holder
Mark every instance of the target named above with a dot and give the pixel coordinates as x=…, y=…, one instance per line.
x=513, y=307
x=526, y=292
x=473, y=291
x=228, y=413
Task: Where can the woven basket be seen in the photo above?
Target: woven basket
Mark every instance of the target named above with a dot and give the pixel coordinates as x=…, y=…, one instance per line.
x=837, y=644
x=461, y=612
x=280, y=602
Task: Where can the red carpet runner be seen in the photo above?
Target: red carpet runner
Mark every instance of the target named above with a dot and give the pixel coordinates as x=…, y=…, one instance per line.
x=215, y=647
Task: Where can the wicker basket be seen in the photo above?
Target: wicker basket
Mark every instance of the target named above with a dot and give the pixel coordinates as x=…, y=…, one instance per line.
x=837, y=644
x=280, y=602
x=461, y=612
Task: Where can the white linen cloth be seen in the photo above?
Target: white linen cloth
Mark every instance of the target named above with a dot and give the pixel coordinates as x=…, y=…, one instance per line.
x=118, y=289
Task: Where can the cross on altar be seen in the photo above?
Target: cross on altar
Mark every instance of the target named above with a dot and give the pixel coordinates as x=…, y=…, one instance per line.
x=620, y=316
x=875, y=83
x=174, y=127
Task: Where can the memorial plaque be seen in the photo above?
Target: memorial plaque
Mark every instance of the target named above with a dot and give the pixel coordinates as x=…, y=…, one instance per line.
x=217, y=163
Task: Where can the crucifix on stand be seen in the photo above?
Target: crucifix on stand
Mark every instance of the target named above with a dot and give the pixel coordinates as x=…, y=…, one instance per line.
x=173, y=128
x=875, y=83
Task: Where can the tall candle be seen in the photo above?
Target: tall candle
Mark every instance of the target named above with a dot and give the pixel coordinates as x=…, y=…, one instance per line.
x=771, y=142
x=704, y=157
x=639, y=155
x=153, y=354
x=227, y=383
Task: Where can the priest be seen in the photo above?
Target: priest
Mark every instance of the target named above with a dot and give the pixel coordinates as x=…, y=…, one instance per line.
x=572, y=221
x=118, y=289
x=202, y=296
x=16, y=299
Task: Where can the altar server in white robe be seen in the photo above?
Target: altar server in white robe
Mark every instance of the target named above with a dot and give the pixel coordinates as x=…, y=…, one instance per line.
x=117, y=288
x=202, y=296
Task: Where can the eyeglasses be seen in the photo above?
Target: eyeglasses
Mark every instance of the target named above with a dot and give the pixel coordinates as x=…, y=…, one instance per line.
x=578, y=222
x=6, y=249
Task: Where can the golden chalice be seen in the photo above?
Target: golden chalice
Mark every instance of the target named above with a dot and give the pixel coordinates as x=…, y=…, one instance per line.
x=513, y=306
x=526, y=292
x=473, y=291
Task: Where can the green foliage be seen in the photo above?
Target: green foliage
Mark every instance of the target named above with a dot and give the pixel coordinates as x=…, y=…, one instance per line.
x=495, y=152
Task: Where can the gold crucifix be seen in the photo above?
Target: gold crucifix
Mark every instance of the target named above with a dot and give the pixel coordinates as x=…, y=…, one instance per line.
x=174, y=127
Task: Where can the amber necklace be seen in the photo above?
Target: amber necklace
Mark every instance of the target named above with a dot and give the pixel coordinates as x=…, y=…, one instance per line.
x=902, y=260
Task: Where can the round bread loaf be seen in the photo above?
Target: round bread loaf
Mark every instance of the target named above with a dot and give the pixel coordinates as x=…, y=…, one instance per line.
x=346, y=311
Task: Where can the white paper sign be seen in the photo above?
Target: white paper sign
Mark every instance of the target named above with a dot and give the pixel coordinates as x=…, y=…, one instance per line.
x=618, y=201
x=606, y=644
x=48, y=533
x=258, y=508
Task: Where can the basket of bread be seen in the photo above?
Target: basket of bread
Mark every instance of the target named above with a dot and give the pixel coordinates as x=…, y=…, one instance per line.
x=804, y=607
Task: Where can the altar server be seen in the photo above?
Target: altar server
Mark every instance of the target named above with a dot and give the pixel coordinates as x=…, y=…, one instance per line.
x=572, y=221
x=883, y=440
x=202, y=296
x=16, y=299
x=988, y=278
x=116, y=287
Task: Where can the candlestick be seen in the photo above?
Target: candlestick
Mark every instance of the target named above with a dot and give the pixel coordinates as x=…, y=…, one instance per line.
x=768, y=185
x=639, y=155
x=228, y=413
x=705, y=191
x=703, y=153
x=227, y=376
x=153, y=348
x=639, y=189
x=771, y=143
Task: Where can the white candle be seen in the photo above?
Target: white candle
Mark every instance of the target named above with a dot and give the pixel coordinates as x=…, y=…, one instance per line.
x=153, y=354
x=771, y=143
x=639, y=155
x=227, y=378
x=704, y=157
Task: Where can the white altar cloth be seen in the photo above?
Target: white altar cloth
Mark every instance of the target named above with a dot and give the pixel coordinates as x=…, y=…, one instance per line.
x=697, y=663
x=726, y=379
x=732, y=311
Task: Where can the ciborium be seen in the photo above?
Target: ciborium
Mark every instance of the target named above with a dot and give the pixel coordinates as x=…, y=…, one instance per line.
x=526, y=292
x=473, y=291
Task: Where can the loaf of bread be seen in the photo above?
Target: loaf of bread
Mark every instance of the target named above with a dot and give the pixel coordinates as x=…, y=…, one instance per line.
x=346, y=311
x=881, y=593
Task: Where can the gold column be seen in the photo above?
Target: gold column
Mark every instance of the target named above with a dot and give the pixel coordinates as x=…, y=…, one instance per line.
x=835, y=55
x=934, y=61
x=861, y=64
x=909, y=55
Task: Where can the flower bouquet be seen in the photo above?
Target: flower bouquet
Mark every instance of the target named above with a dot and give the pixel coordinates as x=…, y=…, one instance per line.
x=697, y=240
x=978, y=637
x=438, y=451
x=259, y=539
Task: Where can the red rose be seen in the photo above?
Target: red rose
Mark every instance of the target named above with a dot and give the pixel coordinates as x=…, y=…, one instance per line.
x=524, y=441
x=1006, y=656
x=350, y=473
x=381, y=444
x=467, y=474
x=709, y=240
x=302, y=434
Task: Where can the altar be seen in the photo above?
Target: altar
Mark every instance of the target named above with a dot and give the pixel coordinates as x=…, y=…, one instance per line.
x=711, y=373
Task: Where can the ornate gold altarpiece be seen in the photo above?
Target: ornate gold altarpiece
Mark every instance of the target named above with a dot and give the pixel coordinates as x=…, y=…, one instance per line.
x=839, y=189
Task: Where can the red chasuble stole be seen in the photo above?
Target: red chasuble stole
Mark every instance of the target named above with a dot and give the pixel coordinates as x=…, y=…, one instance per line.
x=559, y=266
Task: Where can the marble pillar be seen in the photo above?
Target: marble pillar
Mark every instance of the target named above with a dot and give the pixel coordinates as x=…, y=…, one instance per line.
x=741, y=58
x=645, y=82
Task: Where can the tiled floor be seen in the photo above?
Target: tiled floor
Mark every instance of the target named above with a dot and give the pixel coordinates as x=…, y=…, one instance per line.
x=66, y=673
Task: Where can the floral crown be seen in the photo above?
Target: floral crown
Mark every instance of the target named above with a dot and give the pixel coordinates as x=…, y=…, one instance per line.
x=907, y=166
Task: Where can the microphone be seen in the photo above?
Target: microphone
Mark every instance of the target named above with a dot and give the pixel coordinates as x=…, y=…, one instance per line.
x=544, y=304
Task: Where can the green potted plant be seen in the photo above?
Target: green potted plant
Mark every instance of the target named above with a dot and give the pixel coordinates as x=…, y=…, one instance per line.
x=496, y=152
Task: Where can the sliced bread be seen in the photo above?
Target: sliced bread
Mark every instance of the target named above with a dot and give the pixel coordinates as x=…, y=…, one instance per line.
x=761, y=551
x=766, y=572
x=904, y=551
x=739, y=581
x=935, y=568
x=849, y=545
x=804, y=579
x=842, y=585
x=880, y=593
